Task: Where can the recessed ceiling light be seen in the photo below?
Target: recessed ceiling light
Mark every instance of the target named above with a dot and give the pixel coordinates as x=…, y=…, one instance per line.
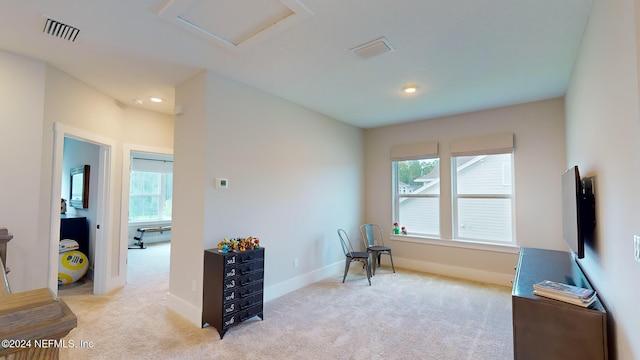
x=137, y=101
x=156, y=99
x=410, y=89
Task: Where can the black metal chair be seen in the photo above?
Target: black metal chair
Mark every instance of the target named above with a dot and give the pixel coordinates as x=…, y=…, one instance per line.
x=374, y=242
x=351, y=255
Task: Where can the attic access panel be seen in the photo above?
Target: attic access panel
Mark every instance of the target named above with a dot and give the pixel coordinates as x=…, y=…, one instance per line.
x=235, y=23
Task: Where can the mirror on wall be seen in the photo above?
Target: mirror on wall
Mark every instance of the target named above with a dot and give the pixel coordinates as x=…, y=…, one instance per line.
x=80, y=187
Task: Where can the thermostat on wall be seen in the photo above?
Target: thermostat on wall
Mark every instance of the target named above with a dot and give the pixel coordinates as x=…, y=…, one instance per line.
x=222, y=183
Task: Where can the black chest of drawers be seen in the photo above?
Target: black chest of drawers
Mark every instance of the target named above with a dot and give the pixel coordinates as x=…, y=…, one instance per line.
x=76, y=228
x=232, y=288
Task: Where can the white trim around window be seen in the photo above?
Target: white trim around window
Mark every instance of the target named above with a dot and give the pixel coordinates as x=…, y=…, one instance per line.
x=480, y=146
x=505, y=248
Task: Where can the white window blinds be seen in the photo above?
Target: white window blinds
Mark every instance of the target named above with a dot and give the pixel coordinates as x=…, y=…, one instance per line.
x=415, y=151
x=500, y=143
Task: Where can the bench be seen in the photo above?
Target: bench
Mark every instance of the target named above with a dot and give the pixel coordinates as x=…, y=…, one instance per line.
x=139, y=244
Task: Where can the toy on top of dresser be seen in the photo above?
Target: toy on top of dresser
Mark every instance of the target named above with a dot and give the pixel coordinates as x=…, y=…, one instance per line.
x=238, y=244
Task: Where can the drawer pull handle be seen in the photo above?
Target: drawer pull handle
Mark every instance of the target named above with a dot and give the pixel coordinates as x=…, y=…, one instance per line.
x=247, y=281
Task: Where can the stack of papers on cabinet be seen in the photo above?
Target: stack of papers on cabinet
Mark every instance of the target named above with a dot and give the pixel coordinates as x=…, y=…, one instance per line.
x=565, y=292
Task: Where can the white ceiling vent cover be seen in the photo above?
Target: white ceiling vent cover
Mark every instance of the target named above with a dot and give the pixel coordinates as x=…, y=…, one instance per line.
x=373, y=48
x=60, y=30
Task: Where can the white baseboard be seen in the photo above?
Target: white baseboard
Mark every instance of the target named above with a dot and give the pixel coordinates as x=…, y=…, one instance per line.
x=272, y=292
x=194, y=315
x=454, y=271
x=184, y=309
x=282, y=288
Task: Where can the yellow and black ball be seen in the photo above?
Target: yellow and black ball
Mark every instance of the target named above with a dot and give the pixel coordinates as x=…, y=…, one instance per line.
x=72, y=266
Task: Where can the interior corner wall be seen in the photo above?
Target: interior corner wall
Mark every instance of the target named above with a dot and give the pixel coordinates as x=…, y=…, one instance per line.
x=145, y=128
x=34, y=97
x=21, y=113
x=294, y=177
x=539, y=162
x=188, y=226
x=603, y=130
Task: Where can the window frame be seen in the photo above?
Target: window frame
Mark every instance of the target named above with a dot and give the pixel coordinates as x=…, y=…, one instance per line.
x=479, y=144
x=397, y=196
x=455, y=197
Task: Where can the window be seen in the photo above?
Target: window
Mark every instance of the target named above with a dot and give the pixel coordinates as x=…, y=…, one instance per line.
x=477, y=209
x=150, y=196
x=151, y=187
x=483, y=198
x=417, y=196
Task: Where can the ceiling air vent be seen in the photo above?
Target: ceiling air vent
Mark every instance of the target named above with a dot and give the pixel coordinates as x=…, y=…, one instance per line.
x=373, y=48
x=60, y=30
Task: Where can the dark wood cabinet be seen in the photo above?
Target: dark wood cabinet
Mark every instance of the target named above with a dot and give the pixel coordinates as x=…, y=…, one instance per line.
x=75, y=228
x=549, y=329
x=232, y=288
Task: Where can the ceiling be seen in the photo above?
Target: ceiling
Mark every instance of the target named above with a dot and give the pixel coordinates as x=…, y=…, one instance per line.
x=465, y=55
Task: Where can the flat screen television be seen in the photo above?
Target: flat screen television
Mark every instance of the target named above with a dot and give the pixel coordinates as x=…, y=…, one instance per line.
x=578, y=210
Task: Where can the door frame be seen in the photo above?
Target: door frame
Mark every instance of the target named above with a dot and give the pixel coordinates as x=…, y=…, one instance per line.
x=102, y=282
x=127, y=148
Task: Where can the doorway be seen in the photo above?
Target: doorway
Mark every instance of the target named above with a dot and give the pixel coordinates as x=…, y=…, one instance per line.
x=99, y=202
x=78, y=214
x=154, y=162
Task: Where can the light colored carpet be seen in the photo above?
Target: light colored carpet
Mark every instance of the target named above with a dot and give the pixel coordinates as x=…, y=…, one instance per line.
x=406, y=315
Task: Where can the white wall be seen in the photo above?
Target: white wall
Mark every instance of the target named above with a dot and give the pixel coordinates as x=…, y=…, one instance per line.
x=21, y=113
x=539, y=161
x=188, y=225
x=295, y=177
x=603, y=130
x=76, y=104
x=34, y=96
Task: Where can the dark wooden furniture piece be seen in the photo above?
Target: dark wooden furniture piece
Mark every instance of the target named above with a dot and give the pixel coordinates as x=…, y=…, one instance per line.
x=549, y=329
x=232, y=288
x=75, y=228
